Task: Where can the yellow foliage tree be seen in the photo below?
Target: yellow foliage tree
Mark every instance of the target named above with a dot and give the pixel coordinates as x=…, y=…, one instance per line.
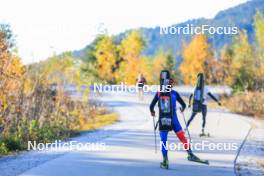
x=129, y=50
x=259, y=31
x=145, y=68
x=194, y=56
x=11, y=76
x=259, y=28
x=106, y=58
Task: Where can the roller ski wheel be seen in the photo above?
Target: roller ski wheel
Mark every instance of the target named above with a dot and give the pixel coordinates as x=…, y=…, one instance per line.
x=204, y=135
x=194, y=158
x=164, y=164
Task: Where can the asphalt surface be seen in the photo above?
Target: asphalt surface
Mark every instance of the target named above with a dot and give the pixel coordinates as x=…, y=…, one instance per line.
x=129, y=145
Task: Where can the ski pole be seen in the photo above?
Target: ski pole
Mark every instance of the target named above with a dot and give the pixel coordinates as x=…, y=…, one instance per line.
x=155, y=126
x=186, y=126
x=219, y=118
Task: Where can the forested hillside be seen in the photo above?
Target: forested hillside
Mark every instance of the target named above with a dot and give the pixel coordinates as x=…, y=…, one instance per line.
x=240, y=16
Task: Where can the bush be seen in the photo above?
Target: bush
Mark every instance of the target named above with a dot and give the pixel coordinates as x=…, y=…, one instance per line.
x=247, y=103
x=33, y=130
x=3, y=148
x=12, y=143
x=34, y=102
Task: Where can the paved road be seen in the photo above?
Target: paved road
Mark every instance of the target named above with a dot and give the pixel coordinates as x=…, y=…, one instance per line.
x=130, y=146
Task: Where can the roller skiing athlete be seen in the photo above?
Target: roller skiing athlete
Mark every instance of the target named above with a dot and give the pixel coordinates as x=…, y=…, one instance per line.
x=168, y=119
x=200, y=97
x=140, y=82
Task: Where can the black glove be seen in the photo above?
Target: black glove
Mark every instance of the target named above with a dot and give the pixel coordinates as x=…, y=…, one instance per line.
x=182, y=109
x=153, y=114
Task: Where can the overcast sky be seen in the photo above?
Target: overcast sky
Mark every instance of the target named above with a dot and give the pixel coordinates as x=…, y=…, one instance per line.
x=43, y=27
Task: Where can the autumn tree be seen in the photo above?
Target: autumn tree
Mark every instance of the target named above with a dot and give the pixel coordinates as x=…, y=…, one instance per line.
x=130, y=49
x=243, y=63
x=88, y=66
x=162, y=60
x=259, y=51
x=11, y=79
x=223, y=66
x=34, y=99
x=195, y=55
x=259, y=28
x=106, y=58
x=170, y=65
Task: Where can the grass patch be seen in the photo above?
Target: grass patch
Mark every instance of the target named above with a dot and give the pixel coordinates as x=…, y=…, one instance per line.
x=16, y=142
x=246, y=103
x=99, y=121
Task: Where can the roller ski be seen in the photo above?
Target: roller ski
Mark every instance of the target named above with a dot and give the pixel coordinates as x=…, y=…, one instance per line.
x=164, y=164
x=192, y=157
x=203, y=134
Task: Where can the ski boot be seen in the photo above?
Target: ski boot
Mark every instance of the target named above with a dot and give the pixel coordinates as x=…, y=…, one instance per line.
x=164, y=164
x=203, y=134
x=194, y=158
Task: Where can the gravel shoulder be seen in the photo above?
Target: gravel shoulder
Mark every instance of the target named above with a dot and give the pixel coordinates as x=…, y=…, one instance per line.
x=251, y=159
